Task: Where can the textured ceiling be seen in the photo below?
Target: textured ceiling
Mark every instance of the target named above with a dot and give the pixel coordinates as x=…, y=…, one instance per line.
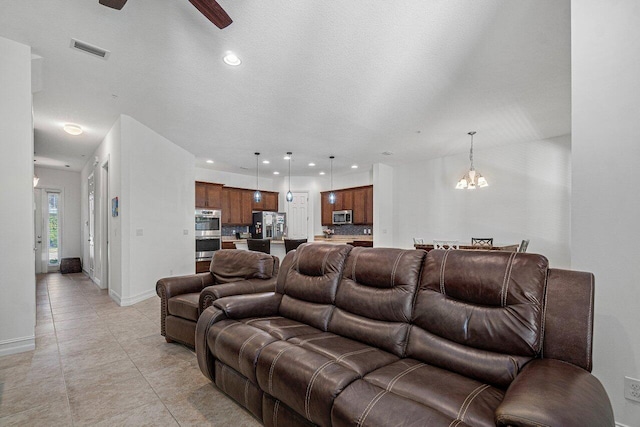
x=351, y=79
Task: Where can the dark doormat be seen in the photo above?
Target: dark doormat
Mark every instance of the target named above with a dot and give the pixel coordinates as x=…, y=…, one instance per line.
x=70, y=265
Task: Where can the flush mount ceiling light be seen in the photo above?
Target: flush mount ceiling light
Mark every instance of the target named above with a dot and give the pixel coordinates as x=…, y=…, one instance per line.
x=257, y=196
x=231, y=59
x=332, y=195
x=322, y=173
x=72, y=129
x=471, y=179
x=265, y=162
x=209, y=161
x=312, y=164
x=276, y=173
x=289, y=193
x=354, y=166
x=287, y=157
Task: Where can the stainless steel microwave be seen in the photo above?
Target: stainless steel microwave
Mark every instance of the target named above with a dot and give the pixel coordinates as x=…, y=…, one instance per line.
x=343, y=217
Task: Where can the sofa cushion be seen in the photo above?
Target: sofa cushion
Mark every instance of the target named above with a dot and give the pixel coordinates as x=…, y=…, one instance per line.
x=281, y=327
x=409, y=392
x=480, y=312
x=310, y=282
x=362, y=358
x=185, y=306
x=375, y=297
x=232, y=265
x=306, y=381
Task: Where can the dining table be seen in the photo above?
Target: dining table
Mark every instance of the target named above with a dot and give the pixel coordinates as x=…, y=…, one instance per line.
x=502, y=247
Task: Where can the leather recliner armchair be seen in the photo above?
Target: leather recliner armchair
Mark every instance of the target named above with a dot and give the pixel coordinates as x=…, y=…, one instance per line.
x=232, y=272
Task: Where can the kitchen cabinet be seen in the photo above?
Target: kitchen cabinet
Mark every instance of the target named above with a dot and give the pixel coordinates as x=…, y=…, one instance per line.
x=269, y=202
x=237, y=206
x=357, y=199
x=202, y=266
x=208, y=195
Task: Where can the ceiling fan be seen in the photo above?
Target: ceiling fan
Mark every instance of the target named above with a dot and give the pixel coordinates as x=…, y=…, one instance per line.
x=209, y=8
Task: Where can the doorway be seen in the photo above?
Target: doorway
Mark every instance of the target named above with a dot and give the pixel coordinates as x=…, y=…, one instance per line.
x=298, y=216
x=48, y=229
x=91, y=185
x=105, y=217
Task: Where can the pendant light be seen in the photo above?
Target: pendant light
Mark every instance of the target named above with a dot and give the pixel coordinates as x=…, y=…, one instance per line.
x=332, y=195
x=257, y=196
x=471, y=179
x=289, y=193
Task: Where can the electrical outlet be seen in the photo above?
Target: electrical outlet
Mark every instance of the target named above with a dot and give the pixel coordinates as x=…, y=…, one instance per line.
x=632, y=389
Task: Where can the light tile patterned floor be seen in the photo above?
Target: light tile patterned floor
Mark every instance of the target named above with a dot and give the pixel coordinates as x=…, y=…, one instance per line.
x=96, y=363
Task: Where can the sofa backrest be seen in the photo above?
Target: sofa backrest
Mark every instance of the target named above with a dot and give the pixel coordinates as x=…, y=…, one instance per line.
x=375, y=297
x=233, y=265
x=479, y=313
x=309, y=281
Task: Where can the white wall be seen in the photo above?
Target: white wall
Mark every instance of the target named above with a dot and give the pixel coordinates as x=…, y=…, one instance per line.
x=160, y=177
x=68, y=182
x=154, y=182
x=528, y=198
x=605, y=203
x=384, y=206
x=17, y=263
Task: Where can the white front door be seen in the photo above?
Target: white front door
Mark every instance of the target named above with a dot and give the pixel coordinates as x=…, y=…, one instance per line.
x=298, y=216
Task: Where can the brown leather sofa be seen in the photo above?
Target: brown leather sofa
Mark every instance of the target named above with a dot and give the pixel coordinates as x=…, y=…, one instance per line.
x=231, y=272
x=391, y=337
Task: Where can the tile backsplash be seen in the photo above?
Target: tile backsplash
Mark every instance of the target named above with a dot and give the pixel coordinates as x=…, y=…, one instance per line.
x=350, y=229
x=231, y=230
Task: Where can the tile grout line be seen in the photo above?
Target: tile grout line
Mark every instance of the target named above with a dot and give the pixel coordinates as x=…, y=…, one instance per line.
x=64, y=381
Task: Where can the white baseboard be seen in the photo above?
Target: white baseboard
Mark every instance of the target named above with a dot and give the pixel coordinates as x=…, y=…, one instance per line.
x=123, y=302
x=17, y=345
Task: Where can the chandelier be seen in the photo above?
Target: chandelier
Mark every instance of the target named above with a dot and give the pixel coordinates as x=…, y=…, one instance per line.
x=473, y=178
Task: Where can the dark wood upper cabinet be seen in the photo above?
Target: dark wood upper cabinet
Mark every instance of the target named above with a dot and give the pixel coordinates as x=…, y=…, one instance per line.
x=357, y=199
x=269, y=201
x=246, y=208
x=208, y=195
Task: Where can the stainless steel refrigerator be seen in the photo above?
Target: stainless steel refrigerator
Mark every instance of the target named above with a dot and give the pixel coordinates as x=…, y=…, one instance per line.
x=269, y=225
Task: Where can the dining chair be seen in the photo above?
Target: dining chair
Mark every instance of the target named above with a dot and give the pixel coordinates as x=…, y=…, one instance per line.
x=446, y=244
x=523, y=246
x=291, y=244
x=482, y=242
x=418, y=241
x=259, y=245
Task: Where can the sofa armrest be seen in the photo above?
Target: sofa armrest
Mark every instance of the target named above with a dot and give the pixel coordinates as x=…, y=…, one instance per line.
x=252, y=305
x=251, y=286
x=550, y=392
x=169, y=287
x=206, y=361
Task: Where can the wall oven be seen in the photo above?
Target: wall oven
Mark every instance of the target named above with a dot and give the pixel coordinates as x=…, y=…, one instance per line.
x=343, y=217
x=208, y=233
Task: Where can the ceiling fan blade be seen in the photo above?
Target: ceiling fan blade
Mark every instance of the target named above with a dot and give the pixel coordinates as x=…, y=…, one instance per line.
x=115, y=4
x=213, y=11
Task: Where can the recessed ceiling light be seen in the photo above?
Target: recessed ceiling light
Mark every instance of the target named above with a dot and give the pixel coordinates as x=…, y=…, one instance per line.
x=276, y=173
x=231, y=59
x=321, y=173
x=72, y=129
x=266, y=162
x=354, y=166
x=387, y=153
x=67, y=166
x=312, y=164
x=286, y=157
x=209, y=161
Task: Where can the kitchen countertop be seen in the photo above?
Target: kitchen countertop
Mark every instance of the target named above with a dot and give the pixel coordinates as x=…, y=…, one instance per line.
x=340, y=238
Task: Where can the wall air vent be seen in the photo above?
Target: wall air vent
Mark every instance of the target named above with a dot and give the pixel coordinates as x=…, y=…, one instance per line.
x=90, y=49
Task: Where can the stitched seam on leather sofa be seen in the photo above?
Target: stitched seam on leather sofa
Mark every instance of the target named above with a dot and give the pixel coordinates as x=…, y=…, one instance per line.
x=589, y=325
x=246, y=393
x=307, y=396
x=215, y=344
x=395, y=268
x=370, y=406
x=244, y=345
x=273, y=365
x=248, y=322
x=276, y=406
x=442, y=266
x=505, y=286
x=467, y=402
x=324, y=263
